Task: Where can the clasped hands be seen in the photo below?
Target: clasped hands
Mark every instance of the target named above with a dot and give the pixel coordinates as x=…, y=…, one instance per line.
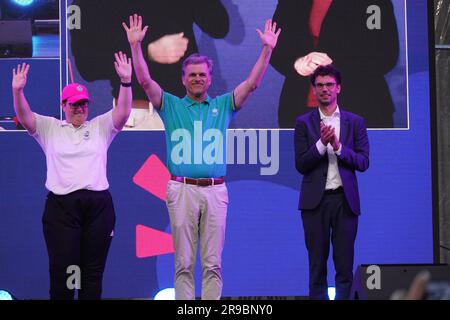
x=327, y=135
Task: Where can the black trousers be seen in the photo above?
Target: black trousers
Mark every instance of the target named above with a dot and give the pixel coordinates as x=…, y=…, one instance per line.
x=334, y=220
x=78, y=228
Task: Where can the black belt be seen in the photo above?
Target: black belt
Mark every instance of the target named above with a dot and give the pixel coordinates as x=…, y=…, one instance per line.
x=334, y=191
x=202, y=182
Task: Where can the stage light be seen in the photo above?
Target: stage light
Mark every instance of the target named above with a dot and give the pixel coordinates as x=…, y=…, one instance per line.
x=165, y=294
x=23, y=3
x=29, y=9
x=331, y=293
x=5, y=295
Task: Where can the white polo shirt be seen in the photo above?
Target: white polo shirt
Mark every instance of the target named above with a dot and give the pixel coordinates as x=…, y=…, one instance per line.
x=76, y=157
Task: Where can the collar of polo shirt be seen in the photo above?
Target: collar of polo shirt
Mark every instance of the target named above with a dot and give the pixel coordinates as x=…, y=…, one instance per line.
x=188, y=102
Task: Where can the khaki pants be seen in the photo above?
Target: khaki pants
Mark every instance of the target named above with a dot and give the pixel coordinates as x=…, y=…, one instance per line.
x=197, y=211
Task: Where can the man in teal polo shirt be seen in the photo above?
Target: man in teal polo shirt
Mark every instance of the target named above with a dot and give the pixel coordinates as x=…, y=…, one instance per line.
x=197, y=197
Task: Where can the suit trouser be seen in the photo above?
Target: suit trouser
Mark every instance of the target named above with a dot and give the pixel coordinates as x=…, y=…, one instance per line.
x=334, y=218
x=78, y=231
x=197, y=212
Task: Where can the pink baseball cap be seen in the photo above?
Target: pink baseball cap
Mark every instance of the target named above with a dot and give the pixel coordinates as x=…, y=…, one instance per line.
x=74, y=92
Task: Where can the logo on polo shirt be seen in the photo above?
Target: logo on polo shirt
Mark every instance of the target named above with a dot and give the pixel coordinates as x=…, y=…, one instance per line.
x=86, y=135
x=215, y=112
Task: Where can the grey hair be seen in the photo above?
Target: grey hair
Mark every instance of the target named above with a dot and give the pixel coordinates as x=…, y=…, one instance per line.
x=196, y=58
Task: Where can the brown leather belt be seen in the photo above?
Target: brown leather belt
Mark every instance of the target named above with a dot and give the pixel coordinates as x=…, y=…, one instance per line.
x=202, y=182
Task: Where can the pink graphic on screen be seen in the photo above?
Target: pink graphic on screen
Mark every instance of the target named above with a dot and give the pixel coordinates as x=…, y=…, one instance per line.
x=151, y=242
x=153, y=177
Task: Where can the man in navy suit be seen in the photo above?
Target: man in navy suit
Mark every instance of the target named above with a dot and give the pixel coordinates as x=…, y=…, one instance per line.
x=330, y=145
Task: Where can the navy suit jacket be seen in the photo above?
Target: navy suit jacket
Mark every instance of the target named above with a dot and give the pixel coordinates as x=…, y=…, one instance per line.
x=314, y=167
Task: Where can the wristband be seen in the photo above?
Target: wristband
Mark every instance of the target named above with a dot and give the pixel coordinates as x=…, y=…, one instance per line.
x=126, y=85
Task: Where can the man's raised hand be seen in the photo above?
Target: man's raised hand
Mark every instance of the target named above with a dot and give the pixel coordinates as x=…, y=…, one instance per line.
x=270, y=35
x=135, y=32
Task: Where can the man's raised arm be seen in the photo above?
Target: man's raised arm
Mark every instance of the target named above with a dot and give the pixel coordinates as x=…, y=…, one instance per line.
x=135, y=35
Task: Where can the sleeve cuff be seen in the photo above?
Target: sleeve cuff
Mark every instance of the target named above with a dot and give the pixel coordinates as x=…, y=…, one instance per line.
x=338, y=152
x=320, y=147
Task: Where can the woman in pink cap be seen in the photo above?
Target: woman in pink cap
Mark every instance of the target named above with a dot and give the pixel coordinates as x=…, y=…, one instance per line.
x=79, y=215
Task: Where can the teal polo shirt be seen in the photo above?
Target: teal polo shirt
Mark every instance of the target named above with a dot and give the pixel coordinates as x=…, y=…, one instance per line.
x=196, y=134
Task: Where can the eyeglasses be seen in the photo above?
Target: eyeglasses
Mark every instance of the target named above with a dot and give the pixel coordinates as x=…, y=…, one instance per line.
x=329, y=85
x=82, y=104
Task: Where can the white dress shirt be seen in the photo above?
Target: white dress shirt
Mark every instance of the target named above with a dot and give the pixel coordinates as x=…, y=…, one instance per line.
x=333, y=177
